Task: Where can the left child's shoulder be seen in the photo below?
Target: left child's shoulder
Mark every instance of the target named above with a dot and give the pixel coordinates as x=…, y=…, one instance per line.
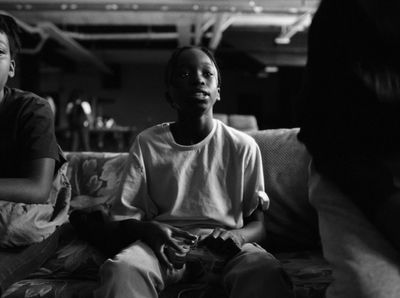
x=25, y=97
x=27, y=102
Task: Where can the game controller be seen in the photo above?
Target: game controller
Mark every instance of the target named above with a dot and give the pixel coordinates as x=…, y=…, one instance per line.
x=176, y=257
x=204, y=253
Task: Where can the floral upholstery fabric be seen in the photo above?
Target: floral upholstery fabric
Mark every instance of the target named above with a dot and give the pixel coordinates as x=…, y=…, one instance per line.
x=94, y=177
x=73, y=271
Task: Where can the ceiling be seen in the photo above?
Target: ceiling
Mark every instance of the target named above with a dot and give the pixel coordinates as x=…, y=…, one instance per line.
x=242, y=33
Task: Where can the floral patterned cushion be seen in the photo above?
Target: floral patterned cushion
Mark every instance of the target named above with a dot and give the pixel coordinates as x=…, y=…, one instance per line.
x=51, y=288
x=94, y=177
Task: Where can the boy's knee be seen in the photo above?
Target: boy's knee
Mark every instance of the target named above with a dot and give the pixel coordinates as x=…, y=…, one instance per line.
x=258, y=264
x=264, y=268
x=115, y=270
x=258, y=273
x=137, y=260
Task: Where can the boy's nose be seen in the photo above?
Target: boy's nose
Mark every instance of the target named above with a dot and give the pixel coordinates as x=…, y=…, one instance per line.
x=198, y=79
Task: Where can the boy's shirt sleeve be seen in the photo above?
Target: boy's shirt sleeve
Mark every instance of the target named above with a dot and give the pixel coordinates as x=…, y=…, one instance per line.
x=37, y=136
x=254, y=191
x=132, y=200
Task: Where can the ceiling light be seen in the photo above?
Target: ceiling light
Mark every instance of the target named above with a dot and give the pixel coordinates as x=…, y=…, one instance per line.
x=214, y=8
x=271, y=69
x=258, y=9
x=111, y=7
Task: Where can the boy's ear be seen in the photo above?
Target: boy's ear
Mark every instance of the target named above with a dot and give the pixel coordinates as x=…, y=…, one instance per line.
x=11, y=71
x=219, y=95
x=170, y=101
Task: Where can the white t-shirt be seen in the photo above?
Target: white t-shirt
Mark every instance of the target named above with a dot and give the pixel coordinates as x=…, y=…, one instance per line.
x=216, y=182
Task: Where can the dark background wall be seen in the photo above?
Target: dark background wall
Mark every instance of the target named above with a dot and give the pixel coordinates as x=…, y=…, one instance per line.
x=134, y=94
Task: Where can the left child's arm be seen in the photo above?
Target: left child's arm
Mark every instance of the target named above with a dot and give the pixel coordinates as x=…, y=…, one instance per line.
x=38, y=153
x=34, y=187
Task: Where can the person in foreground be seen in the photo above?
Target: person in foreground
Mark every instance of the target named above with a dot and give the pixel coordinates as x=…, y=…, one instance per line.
x=350, y=123
x=31, y=206
x=191, y=180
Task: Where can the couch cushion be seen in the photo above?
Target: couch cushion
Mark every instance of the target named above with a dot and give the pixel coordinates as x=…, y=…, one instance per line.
x=94, y=177
x=51, y=288
x=291, y=221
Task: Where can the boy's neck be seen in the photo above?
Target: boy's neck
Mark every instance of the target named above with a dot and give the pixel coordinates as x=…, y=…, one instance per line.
x=192, y=131
x=1, y=95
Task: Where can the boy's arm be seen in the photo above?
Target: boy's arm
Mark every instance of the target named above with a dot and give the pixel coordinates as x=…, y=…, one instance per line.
x=34, y=188
x=254, y=227
x=252, y=231
x=157, y=235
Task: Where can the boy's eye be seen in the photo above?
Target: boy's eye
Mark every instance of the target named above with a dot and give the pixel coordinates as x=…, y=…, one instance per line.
x=208, y=73
x=183, y=74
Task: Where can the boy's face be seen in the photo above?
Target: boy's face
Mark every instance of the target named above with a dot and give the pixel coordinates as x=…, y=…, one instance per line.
x=194, y=85
x=7, y=64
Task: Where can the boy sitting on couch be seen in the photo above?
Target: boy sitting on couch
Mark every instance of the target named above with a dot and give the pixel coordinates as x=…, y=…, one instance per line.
x=30, y=159
x=192, y=178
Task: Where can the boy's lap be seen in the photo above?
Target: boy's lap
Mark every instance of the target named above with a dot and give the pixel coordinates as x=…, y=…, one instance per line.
x=364, y=263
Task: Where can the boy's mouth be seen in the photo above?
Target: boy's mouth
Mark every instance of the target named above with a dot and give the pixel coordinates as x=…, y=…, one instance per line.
x=200, y=94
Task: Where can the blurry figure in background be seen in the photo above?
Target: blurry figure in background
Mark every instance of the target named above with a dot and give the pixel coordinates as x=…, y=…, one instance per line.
x=350, y=122
x=109, y=122
x=79, y=115
x=52, y=104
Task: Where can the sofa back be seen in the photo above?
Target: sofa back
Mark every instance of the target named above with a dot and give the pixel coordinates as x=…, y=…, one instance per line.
x=290, y=221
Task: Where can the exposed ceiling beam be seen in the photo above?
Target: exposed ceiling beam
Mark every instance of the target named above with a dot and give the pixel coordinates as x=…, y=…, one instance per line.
x=75, y=50
x=184, y=28
x=47, y=30
x=300, y=24
x=198, y=32
x=193, y=20
x=221, y=23
x=122, y=36
x=241, y=6
x=31, y=30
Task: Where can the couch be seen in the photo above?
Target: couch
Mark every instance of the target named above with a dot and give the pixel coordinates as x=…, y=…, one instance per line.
x=292, y=228
x=246, y=123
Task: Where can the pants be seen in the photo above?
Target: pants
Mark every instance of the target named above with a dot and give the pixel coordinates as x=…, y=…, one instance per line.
x=17, y=263
x=365, y=264
x=136, y=272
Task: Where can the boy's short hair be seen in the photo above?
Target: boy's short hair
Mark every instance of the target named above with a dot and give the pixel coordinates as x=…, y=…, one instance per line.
x=173, y=60
x=9, y=27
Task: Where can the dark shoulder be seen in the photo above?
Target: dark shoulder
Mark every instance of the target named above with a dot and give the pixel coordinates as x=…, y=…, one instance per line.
x=22, y=97
x=21, y=101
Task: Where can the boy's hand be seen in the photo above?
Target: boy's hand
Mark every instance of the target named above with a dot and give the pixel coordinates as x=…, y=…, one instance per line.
x=224, y=242
x=159, y=235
